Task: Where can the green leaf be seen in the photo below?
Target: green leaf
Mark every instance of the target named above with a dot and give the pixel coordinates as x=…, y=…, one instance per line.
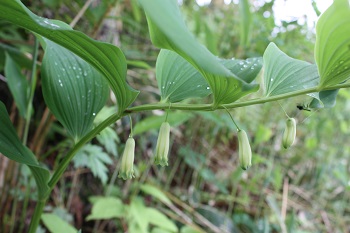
x=332, y=49
x=154, y=122
x=95, y=159
x=246, y=70
x=18, y=56
x=12, y=147
x=157, y=218
x=169, y=31
x=56, y=225
x=106, y=58
x=245, y=22
x=138, y=64
x=188, y=229
x=283, y=74
x=155, y=192
x=73, y=90
x=17, y=83
x=178, y=79
x=211, y=37
x=324, y=99
x=107, y=208
x=137, y=216
x=109, y=139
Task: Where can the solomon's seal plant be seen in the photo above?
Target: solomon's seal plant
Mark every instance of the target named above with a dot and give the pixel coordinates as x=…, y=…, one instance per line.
x=77, y=72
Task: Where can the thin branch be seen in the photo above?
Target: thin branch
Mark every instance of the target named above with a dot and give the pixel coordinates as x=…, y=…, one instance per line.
x=80, y=13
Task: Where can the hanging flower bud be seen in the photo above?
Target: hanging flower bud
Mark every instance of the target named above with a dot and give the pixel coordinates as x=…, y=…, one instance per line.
x=289, y=133
x=244, y=150
x=127, y=166
x=162, y=149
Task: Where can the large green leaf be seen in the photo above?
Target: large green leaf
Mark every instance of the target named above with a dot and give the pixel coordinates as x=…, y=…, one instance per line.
x=178, y=79
x=169, y=31
x=73, y=90
x=11, y=147
x=17, y=83
x=283, y=74
x=106, y=58
x=332, y=49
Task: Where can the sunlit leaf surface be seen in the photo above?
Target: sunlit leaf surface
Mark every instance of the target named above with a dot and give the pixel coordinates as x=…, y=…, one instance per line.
x=332, y=50
x=283, y=74
x=178, y=79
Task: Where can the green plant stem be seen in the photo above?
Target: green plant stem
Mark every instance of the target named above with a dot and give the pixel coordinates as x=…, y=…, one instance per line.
x=36, y=216
x=33, y=80
x=232, y=118
x=210, y=107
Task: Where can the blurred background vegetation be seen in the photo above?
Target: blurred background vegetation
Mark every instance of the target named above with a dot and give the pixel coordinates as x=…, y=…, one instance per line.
x=303, y=189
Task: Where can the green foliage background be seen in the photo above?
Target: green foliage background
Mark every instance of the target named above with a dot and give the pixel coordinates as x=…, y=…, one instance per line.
x=304, y=189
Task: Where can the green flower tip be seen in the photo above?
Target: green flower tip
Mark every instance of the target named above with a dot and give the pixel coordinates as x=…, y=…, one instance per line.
x=162, y=148
x=289, y=133
x=127, y=165
x=244, y=150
